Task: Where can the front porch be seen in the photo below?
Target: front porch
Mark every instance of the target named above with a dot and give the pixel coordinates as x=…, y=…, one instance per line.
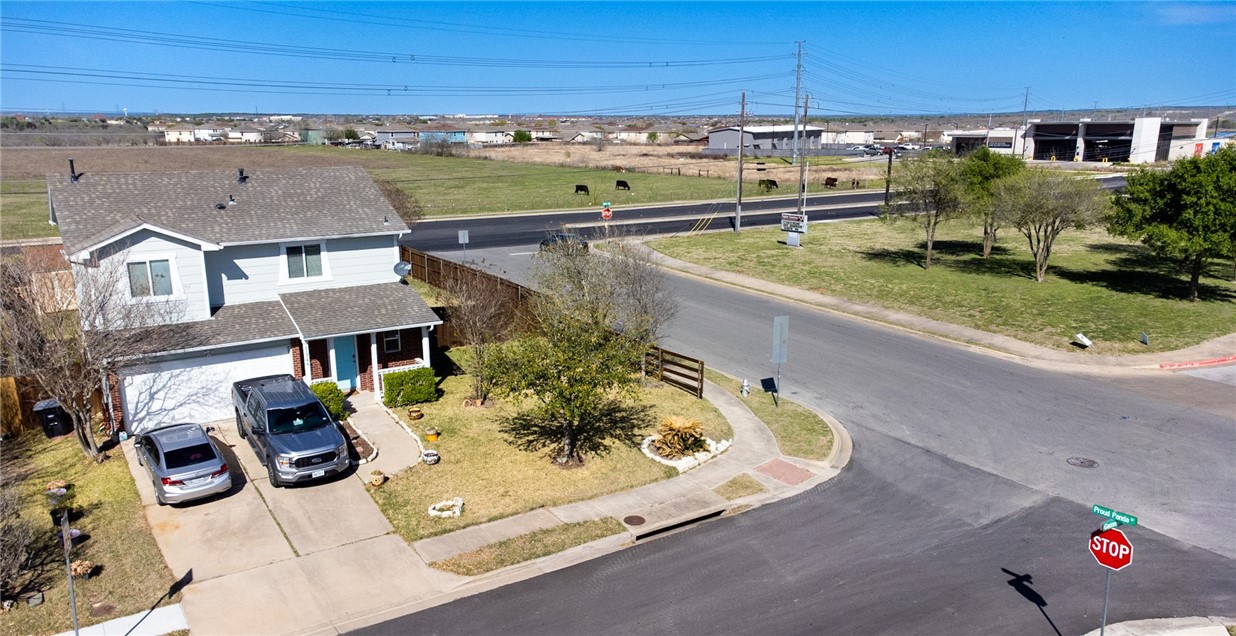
x=359, y=361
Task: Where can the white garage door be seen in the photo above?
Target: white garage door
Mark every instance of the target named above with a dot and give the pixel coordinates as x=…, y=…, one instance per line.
x=197, y=389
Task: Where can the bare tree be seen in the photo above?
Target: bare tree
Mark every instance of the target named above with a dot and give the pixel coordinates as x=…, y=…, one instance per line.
x=642, y=298
x=71, y=351
x=483, y=312
x=1043, y=203
x=931, y=190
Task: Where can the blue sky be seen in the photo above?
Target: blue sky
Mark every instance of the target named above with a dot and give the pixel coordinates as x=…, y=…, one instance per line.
x=595, y=58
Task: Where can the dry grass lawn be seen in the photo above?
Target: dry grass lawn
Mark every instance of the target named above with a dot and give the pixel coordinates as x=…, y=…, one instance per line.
x=133, y=575
x=739, y=487
x=497, y=480
x=533, y=545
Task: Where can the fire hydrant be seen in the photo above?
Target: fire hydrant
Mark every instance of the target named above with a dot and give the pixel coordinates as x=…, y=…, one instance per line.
x=746, y=387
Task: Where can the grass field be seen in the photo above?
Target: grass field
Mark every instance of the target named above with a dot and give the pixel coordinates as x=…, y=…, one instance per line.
x=497, y=480
x=798, y=430
x=1108, y=288
x=133, y=575
x=533, y=545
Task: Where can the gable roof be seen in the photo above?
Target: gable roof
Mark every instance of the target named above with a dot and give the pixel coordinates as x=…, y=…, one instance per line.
x=273, y=205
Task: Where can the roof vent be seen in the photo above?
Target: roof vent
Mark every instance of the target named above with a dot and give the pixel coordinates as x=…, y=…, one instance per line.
x=74, y=175
x=220, y=206
x=231, y=200
x=241, y=178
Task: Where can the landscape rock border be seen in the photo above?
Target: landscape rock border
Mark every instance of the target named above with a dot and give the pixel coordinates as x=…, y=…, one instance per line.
x=690, y=461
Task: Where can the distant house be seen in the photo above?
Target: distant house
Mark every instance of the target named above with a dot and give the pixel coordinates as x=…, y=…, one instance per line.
x=489, y=136
x=313, y=136
x=271, y=271
x=434, y=134
x=209, y=133
x=244, y=136
x=766, y=140
x=179, y=135
x=689, y=138
x=583, y=136
x=396, y=138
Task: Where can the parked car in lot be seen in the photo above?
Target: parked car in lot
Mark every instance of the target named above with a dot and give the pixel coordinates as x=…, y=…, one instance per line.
x=564, y=240
x=183, y=463
x=289, y=429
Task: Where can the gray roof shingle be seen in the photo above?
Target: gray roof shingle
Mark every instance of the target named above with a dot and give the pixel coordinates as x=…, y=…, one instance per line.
x=231, y=324
x=348, y=310
x=273, y=205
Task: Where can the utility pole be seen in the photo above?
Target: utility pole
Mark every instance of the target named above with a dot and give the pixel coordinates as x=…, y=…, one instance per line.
x=798, y=81
x=742, y=120
x=1025, y=126
x=802, y=168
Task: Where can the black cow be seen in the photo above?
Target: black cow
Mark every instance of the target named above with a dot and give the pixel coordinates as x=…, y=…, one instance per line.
x=768, y=184
x=621, y=185
x=582, y=189
x=830, y=182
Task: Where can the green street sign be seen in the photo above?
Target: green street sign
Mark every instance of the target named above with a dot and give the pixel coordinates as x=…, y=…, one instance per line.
x=605, y=204
x=1108, y=525
x=1114, y=515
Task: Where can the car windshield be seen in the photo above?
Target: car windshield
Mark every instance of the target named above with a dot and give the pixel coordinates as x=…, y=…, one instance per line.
x=301, y=418
x=188, y=456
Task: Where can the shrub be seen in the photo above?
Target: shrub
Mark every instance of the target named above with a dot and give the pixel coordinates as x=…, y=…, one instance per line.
x=16, y=542
x=403, y=388
x=679, y=437
x=331, y=397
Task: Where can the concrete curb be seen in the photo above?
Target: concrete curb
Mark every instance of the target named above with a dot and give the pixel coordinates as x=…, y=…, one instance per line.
x=372, y=456
x=1186, y=626
x=1199, y=363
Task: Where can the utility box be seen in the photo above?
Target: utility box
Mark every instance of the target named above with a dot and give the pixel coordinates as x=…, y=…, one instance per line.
x=53, y=417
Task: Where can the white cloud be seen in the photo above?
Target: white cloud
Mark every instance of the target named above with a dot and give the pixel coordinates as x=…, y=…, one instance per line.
x=1196, y=13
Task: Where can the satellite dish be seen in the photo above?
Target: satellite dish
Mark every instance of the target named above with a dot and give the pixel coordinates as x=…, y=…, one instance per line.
x=403, y=268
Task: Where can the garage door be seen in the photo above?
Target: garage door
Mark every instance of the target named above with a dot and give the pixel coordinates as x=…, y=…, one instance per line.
x=197, y=389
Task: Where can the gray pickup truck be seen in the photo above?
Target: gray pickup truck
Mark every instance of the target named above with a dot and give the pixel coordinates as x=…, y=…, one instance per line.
x=289, y=429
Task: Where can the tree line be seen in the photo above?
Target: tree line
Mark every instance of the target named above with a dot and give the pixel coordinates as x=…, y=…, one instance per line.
x=1186, y=213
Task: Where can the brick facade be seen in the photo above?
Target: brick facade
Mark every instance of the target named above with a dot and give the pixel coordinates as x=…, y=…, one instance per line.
x=364, y=363
x=319, y=359
x=117, y=410
x=298, y=360
x=408, y=353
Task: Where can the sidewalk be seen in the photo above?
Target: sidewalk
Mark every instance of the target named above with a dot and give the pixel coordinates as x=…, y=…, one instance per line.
x=1221, y=350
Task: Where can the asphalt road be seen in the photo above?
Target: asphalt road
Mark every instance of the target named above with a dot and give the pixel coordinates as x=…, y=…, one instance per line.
x=960, y=472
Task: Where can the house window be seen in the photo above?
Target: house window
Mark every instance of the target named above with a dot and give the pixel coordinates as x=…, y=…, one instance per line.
x=304, y=261
x=150, y=278
x=390, y=342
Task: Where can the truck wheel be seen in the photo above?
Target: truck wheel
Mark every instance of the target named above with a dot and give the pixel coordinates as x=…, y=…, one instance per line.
x=240, y=426
x=271, y=475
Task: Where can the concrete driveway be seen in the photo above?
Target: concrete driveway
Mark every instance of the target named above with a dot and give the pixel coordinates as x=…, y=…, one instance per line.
x=282, y=560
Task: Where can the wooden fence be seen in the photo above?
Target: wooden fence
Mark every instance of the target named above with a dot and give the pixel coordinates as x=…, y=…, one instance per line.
x=672, y=368
x=676, y=370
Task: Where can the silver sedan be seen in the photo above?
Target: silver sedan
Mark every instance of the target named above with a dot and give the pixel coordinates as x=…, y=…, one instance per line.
x=183, y=463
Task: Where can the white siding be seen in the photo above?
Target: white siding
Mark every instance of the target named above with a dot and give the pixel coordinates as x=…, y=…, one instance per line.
x=188, y=287
x=254, y=273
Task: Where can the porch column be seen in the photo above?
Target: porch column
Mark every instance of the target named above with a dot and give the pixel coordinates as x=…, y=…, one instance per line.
x=304, y=354
x=330, y=354
x=425, y=345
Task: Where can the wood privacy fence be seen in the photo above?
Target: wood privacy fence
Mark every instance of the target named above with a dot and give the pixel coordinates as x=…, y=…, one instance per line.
x=676, y=370
x=672, y=368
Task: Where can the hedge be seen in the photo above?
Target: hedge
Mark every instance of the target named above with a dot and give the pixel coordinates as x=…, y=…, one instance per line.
x=404, y=388
x=331, y=397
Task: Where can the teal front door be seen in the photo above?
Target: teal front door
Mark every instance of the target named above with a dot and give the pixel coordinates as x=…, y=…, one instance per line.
x=345, y=363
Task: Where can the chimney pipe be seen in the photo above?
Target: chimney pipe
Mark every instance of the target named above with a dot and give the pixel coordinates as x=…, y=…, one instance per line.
x=241, y=178
x=72, y=171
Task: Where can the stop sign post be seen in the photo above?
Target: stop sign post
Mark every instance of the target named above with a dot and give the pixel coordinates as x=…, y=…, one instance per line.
x=1111, y=549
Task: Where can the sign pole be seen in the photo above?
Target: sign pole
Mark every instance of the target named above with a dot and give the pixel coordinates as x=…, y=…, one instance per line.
x=1106, y=588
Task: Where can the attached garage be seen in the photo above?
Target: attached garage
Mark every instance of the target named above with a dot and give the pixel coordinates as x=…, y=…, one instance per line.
x=194, y=388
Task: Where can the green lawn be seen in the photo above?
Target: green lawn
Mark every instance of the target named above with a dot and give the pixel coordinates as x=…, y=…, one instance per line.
x=23, y=210
x=1108, y=288
x=533, y=545
x=798, y=430
x=133, y=575
x=497, y=480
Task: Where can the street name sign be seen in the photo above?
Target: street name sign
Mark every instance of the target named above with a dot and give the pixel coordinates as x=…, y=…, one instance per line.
x=1115, y=515
x=793, y=222
x=1111, y=549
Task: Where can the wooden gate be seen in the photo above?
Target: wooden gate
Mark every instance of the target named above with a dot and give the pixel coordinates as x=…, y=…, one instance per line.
x=676, y=370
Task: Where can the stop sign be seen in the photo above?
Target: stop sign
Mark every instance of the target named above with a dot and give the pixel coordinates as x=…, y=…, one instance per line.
x=1111, y=549
x=606, y=214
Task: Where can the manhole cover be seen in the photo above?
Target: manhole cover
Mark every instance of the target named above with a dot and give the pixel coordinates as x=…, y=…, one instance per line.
x=633, y=520
x=1082, y=462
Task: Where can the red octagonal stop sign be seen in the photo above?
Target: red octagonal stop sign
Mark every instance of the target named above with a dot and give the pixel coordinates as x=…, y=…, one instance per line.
x=1111, y=549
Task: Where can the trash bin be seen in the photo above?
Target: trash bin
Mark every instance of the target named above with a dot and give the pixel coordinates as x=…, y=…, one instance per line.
x=54, y=419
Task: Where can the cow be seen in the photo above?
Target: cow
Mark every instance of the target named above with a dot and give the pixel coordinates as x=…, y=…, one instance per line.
x=768, y=184
x=855, y=183
x=619, y=169
x=621, y=185
x=830, y=182
x=582, y=189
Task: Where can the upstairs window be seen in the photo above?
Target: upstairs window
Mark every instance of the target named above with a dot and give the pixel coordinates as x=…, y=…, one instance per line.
x=150, y=279
x=304, y=261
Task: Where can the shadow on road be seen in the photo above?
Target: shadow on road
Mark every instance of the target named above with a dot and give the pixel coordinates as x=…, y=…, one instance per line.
x=1022, y=583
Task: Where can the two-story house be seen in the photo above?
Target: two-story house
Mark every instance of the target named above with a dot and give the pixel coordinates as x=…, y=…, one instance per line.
x=271, y=271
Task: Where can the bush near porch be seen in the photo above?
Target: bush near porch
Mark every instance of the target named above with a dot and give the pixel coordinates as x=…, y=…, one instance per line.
x=497, y=480
x=133, y=575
